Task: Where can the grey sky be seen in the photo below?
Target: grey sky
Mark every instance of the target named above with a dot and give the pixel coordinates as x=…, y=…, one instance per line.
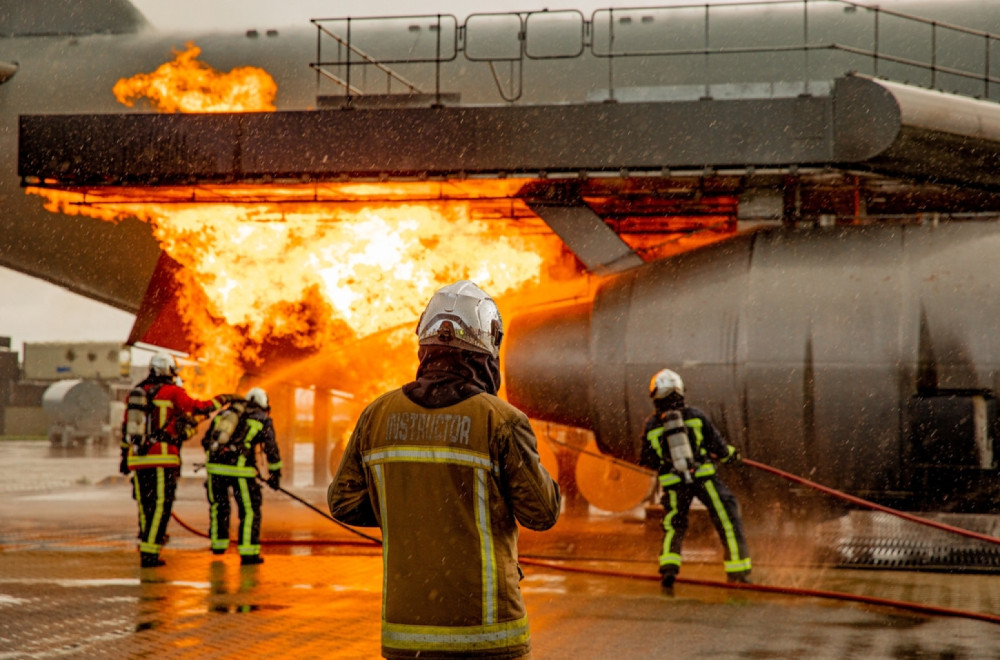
x=243, y=14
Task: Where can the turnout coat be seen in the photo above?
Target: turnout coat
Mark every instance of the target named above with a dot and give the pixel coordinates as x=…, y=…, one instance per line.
x=447, y=486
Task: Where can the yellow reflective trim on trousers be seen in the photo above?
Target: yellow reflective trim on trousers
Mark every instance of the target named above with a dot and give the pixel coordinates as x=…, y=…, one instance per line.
x=247, y=523
x=213, y=515
x=230, y=470
x=213, y=512
x=727, y=524
x=487, y=555
x=740, y=566
x=455, y=638
x=271, y=467
x=161, y=498
x=670, y=559
x=138, y=500
x=667, y=557
x=417, y=454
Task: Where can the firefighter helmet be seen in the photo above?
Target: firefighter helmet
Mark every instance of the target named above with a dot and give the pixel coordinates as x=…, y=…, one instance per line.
x=664, y=383
x=163, y=364
x=257, y=397
x=463, y=316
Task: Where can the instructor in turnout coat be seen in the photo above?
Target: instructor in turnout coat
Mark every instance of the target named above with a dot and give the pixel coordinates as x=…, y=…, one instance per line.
x=447, y=470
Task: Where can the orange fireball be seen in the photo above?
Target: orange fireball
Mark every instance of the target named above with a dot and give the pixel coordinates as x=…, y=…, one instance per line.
x=321, y=273
x=187, y=85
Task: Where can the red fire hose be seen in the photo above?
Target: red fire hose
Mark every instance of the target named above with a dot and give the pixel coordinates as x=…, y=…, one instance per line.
x=871, y=505
x=792, y=591
x=789, y=591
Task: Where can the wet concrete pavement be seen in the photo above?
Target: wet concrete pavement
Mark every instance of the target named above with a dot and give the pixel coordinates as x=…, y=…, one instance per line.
x=70, y=585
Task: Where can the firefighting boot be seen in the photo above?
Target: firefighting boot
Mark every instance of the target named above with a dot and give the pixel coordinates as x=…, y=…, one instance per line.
x=149, y=560
x=250, y=560
x=738, y=578
x=667, y=584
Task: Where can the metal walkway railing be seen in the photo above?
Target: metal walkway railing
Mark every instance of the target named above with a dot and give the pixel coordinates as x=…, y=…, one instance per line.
x=615, y=48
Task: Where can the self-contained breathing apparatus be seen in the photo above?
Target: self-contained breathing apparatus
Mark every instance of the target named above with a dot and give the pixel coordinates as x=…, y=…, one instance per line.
x=220, y=440
x=680, y=447
x=138, y=419
x=139, y=428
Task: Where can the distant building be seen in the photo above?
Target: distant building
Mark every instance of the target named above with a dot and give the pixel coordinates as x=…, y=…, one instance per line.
x=23, y=386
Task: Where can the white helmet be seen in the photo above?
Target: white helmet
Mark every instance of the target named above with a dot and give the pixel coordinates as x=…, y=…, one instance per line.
x=664, y=383
x=257, y=397
x=463, y=316
x=163, y=364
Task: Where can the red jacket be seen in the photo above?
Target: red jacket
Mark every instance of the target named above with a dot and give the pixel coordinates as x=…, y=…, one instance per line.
x=170, y=402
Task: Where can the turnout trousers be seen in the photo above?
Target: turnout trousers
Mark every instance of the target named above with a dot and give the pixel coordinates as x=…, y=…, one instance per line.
x=154, y=490
x=722, y=509
x=248, y=497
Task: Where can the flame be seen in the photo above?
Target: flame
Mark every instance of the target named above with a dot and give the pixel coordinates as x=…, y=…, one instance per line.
x=342, y=284
x=321, y=273
x=187, y=85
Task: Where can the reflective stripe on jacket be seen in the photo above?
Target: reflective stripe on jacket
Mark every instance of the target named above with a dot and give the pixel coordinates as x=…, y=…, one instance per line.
x=237, y=458
x=161, y=454
x=447, y=486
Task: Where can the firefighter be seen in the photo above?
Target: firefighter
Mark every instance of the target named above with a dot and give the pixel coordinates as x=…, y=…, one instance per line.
x=231, y=461
x=447, y=470
x=159, y=417
x=683, y=445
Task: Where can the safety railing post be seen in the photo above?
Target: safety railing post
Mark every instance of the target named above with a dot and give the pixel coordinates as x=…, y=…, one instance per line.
x=611, y=54
x=708, y=90
x=347, y=75
x=319, y=56
x=875, y=45
x=437, y=66
x=805, y=44
x=986, y=70
x=933, y=54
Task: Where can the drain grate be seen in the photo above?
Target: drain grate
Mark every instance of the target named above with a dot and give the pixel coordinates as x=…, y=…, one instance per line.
x=878, y=540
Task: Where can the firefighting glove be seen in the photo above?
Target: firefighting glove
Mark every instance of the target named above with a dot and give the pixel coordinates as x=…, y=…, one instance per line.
x=735, y=457
x=225, y=399
x=186, y=427
x=274, y=480
x=123, y=466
